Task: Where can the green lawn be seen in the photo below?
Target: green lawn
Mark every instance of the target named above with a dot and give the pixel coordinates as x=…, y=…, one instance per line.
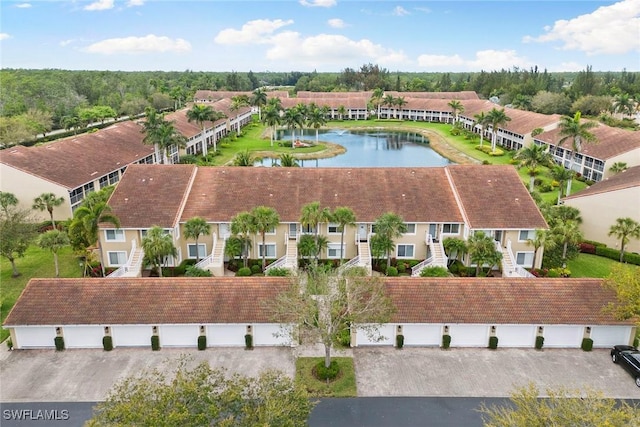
x=587, y=265
x=36, y=263
x=343, y=386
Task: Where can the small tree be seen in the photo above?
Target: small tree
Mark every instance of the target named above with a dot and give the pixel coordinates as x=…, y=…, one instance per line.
x=17, y=230
x=194, y=228
x=46, y=202
x=242, y=226
x=157, y=246
x=344, y=217
x=482, y=250
x=390, y=226
x=625, y=229
x=54, y=240
x=265, y=218
x=541, y=239
x=625, y=281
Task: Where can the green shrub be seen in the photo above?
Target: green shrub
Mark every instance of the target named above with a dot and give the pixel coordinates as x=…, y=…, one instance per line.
x=493, y=343
x=446, y=341
x=559, y=272
x=456, y=266
x=244, y=271
x=107, y=343
x=614, y=254
x=155, y=342
x=9, y=344
x=553, y=273
x=400, y=341
x=202, y=342
x=248, y=341
x=434, y=272
x=182, y=267
x=539, y=342
x=278, y=272
x=59, y=342
x=323, y=373
x=587, y=344
x=256, y=269
x=344, y=338
x=594, y=243
x=401, y=266
x=392, y=271
x=193, y=271
x=545, y=188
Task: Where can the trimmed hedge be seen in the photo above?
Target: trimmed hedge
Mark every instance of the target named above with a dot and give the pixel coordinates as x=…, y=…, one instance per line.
x=587, y=344
x=202, y=342
x=539, y=342
x=392, y=272
x=400, y=341
x=324, y=373
x=446, y=341
x=244, y=272
x=278, y=272
x=155, y=343
x=629, y=257
x=493, y=343
x=248, y=341
x=107, y=343
x=59, y=342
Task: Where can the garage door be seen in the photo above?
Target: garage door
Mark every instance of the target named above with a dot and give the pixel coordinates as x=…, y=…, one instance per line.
x=131, y=335
x=608, y=336
x=516, y=335
x=83, y=336
x=386, y=333
x=266, y=335
x=30, y=337
x=563, y=336
x=226, y=335
x=179, y=335
x=423, y=335
x=469, y=335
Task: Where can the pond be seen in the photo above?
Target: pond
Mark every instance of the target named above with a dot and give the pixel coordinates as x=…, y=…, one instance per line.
x=371, y=148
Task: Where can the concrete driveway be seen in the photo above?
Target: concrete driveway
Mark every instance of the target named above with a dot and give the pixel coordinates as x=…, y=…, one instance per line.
x=88, y=375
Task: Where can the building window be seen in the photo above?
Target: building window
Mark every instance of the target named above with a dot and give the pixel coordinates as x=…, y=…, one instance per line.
x=117, y=259
x=333, y=228
x=450, y=228
x=411, y=229
x=524, y=259
x=404, y=251
x=202, y=250
x=114, y=177
x=103, y=182
x=114, y=235
x=526, y=235
x=76, y=196
x=333, y=250
x=270, y=250
x=308, y=229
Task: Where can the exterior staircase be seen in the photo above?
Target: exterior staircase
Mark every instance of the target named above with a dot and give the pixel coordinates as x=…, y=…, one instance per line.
x=437, y=257
x=363, y=259
x=215, y=261
x=508, y=263
x=290, y=258
x=133, y=267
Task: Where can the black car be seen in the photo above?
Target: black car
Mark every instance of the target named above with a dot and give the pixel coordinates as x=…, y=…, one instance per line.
x=629, y=358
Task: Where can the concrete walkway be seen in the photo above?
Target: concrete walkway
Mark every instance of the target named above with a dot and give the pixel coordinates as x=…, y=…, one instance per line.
x=88, y=375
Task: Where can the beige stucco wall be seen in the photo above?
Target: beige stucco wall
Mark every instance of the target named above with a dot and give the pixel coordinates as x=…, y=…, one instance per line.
x=600, y=211
x=631, y=158
x=111, y=246
x=27, y=187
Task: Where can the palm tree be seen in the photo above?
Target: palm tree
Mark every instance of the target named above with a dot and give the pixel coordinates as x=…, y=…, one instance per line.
x=201, y=113
x=456, y=108
x=243, y=225
x=573, y=129
x=542, y=239
x=389, y=101
x=624, y=229
x=521, y=102
x=163, y=136
x=233, y=247
x=482, y=121
x=618, y=167
x=150, y=126
x=624, y=104
x=6, y=201
x=342, y=110
x=496, y=118
x=259, y=99
x=531, y=157
x=307, y=246
x=311, y=216
x=399, y=102
x=288, y=161
x=275, y=102
x=561, y=175
x=454, y=248
x=292, y=119
x=272, y=119
x=566, y=232
x=48, y=201
x=303, y=109
x=243, y=158
x=157, y=246
x=344, y=217
x=482, y=250
x=54, y=240
x=316, y=120
x=265, y=219
x=390, y=226
x=376, y=99
x=194, y=228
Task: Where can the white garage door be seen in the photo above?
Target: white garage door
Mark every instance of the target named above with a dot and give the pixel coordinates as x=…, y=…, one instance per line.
x=469, y=335
x=179, y=335
x=608, y=336
x=35, y=336
x=516, y=335
x=226, y=335
x=83, y=336
x=422, y=334
x=131, y=335
x=563, y=336
x=386, y=333
x=264, y=335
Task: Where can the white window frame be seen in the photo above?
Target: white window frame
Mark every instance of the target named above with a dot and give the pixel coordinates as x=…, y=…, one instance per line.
x=411, y=224
x=124, y=254
x=531, y=234
x=118, y=234
x=270, y=232
x=268, y=245
x=202, y=249
x=406, y=245
x=526, y=254
x=335, y=247
x=450, y=226
x=334, y=225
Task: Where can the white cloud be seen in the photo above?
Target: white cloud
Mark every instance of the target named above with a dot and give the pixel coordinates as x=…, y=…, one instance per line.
x=400, y=11
x=318, y=3
x=132, y=3
x=257, y=31
x=64, y=43
x=423, y=9
x=4, y=36
x=435, y=61
x=336, y=23
x=23, y=5
x=137, y=45
x=484, y=60
x=100, y=5
x=608, y=30
x=568, y=66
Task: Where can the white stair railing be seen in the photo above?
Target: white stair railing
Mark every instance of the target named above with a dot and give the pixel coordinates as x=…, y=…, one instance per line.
x=520, y=271
x=205, y=262
x=130, y=265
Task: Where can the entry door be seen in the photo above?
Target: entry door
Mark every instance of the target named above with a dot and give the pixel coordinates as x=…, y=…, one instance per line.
x=497, y=235
x=433, y=230
x=362, y=232
x=293, y=230
x=224, y=229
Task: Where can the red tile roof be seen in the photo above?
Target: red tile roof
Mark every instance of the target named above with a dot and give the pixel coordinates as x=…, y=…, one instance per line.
x=620, y=181
x=494, y=197
x=74, y=161
x=501, y=301
x=146, y=301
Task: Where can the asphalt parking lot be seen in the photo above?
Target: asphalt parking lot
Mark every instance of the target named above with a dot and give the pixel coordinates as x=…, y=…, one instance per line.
x=88, y=375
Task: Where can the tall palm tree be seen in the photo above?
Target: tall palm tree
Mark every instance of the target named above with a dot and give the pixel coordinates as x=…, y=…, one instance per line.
x=561, y=175
x=304, y=110
x=376, y=99
x=265, y=219
x=7, y=200
x=194, y=228
x=521, y=102
x=316, y=120
x=200, y=114
x=243, y=225
x=158, y=246
x=344, y=217
x=163, y=136
x=542, y=239
x=312, y=215
x=399, y=102
x=482, y=250
x=575, y=130
x=624, y=104
x=482, y=121
x=259, y=99
x=624, y=229
x=342, y=110
x=292, y=119
x=456, y=109
x=390, y=226
x=48, y=201
x=150, y=127
x=54, y=240
x=566, y=232
x=275, y=102
x=389, y=101
x=271, y=118
x=496, y=118
x=531, y=157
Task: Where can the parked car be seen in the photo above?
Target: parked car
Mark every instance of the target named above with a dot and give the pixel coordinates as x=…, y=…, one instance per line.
x=629, y=358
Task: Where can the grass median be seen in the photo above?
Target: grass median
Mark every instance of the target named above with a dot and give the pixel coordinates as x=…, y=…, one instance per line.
x=342, y=386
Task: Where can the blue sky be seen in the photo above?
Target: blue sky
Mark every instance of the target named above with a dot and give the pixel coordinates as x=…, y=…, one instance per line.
x=322, y=35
